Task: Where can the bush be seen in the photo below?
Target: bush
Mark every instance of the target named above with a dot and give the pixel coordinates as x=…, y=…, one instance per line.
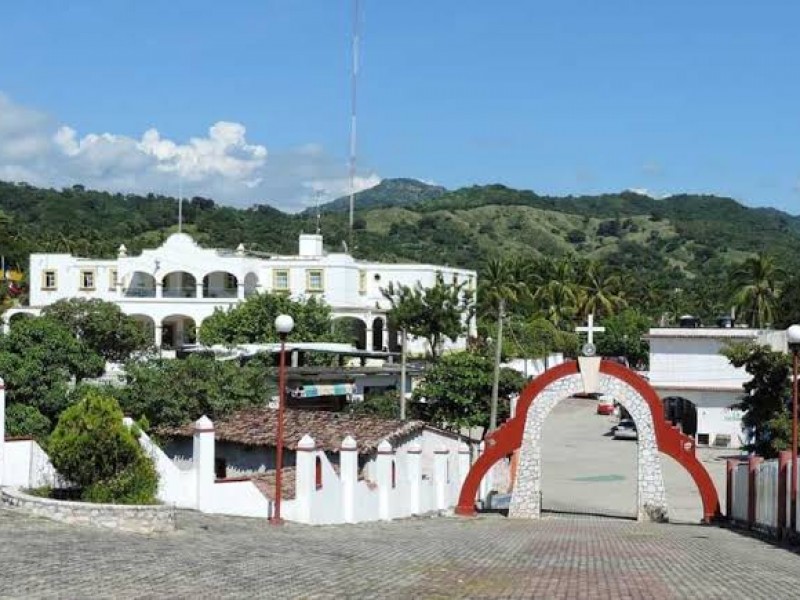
x=26, y=421
x=94, y=450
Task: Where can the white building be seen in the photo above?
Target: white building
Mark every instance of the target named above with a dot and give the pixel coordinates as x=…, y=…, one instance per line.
x=698, y=384
x=172, y=289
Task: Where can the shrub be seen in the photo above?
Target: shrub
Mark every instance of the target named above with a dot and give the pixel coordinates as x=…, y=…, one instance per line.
x=26, y=421
x=93, y=449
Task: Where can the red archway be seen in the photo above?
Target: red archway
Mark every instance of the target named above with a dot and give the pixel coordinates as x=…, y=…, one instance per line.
x=508, y=438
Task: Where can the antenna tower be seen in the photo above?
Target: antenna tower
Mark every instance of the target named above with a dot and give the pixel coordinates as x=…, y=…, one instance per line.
x=180, y=204
x=353, y=105
x=318, y=193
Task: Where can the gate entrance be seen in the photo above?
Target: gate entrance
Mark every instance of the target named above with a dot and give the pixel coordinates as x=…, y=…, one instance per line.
x=523, y=432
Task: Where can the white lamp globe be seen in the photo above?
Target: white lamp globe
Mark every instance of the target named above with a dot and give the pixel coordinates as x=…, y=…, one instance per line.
x=793, y=335
x=284, y=324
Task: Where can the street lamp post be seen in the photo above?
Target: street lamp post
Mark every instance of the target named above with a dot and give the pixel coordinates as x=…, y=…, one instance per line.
x=793, y=337
x=283, y=325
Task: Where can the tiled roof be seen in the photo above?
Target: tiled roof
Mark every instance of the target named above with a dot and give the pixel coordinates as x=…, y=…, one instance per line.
x=259, y=426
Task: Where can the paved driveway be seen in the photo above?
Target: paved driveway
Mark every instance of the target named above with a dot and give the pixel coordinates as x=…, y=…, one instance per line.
x=585, y=470
x=487, y=557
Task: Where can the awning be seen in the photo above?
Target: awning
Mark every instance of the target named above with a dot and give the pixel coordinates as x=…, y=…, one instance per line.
x=315, y=391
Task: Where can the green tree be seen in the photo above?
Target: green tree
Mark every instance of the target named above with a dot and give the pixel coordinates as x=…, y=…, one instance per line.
x=756, y=283
x=101, y=325
x=599, y=291
x=27, y=421
x=767, y=396
x=93, y=449
x=38, y=359
x=624, y=336
x=457, y=390
x=787, y=311
x=435, y=313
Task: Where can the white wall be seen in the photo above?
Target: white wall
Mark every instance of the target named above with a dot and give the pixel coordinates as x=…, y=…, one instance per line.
x=27, y=466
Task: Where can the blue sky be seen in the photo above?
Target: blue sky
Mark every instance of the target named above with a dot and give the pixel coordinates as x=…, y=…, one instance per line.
x=564, y=97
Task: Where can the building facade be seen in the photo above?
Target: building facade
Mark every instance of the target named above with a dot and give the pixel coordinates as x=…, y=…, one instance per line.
x=172, y=289
x=698, y=385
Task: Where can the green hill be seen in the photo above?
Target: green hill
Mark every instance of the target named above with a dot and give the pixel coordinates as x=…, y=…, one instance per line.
x=389, y=192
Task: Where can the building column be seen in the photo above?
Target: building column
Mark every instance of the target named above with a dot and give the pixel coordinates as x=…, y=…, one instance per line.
x=240, y=290
x=159, y=289
x=368, y=338
x=203, y=463
x=198, y=290
x=385, y=336
x=159, y=332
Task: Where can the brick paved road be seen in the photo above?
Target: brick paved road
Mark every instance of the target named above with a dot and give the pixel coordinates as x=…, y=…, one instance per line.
x=489, y=557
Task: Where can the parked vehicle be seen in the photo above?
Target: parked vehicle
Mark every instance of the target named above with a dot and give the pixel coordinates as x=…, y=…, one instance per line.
x=625, y=430
x=605, y=405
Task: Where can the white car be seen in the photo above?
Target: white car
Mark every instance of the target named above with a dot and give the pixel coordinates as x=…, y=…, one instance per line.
x=625, y=430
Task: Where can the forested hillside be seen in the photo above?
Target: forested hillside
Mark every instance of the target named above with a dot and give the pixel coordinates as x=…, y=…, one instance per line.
x=681, y=242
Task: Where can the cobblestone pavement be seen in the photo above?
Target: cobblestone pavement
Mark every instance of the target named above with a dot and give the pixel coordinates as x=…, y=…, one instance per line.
x=487, y=557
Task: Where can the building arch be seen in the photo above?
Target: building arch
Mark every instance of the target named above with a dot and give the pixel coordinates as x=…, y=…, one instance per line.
x=140, y=285
x=178, y=330
x=220, y=284
x=539, y=397
x=179, y=284
x=352, y=329
x=378, y=341
x=682, y=413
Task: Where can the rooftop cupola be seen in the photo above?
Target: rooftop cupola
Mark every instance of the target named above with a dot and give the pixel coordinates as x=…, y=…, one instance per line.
x=310, y=244
x=122, y=251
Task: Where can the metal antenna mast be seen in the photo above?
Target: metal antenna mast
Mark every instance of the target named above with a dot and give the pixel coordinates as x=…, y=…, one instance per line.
x=318, y=193
x=353, y=105
x=180, y=203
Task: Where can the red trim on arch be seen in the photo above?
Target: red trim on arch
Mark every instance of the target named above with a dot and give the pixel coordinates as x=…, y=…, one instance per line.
x=507, y=438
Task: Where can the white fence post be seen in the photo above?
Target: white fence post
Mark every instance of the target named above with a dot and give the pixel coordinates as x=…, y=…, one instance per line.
x=440, y=457
x=384, y=465
x=2, y=428
x=203, y=459
x=414, y=463
x=305, y=478
x=348, y=470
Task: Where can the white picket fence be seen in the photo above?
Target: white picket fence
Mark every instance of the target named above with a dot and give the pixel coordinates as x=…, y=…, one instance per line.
x=760, y=507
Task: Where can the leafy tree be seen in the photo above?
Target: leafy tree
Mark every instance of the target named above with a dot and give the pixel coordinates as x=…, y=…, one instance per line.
x=174, y=392
x=756, y=288
x=27, y=421
x=787, y=311
x=537, y=338
x=457, y=390
x=253, y=321
x=432, y=313
x=767, y=396
x=385, y=406
x=38, y=359
x=599, y=291
x=94, y=450
x=101, y=325
x=624, y=337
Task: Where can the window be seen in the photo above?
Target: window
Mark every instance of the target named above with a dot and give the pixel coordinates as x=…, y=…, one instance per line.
x=280, y=279
x=314, y=281
x=87, y=279
x=49, y=281
x=702, y=439
x=362, y=282
x=318, y=473
x=230, y=281
x=112, y=279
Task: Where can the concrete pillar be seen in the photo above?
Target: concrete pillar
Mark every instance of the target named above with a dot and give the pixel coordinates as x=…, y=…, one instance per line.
x=384, y=465
x=203, y=458
x=368, y=340
x=348, y=473
x=730, y=468
x=2, y=429
x=159, y=333
x=199, y=289
x=240, y=290
x=159, y=289
x=414, y=464
x=385, y=336
x=440, y=458
x=305, y=479
x=463, y=463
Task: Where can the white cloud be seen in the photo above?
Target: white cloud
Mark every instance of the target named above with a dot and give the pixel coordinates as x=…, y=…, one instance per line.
x=223, y=164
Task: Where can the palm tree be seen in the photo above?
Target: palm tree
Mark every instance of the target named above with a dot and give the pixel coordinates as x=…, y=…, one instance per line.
x=756, y=289
x=503, y=281
x=558, y=295
x=600, y=291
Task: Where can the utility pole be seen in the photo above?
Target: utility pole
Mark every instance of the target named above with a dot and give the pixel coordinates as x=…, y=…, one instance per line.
x=497, y=356
x=403, y=374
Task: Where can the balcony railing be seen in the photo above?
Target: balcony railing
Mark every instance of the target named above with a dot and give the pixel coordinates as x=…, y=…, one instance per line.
x=220, y=292
x=140, y=293
x=180, y=292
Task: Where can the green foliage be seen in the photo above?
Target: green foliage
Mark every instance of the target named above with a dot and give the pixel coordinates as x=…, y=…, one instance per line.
x=253, y=321
x=26, y=421
x=457, y=390
x=174, y=392
x=624, y=337
x=102, y=326
x=433, y=313
x=38, y=358
x=755, y=282
x=767, y=396
x=384, y=406
x=94, y=450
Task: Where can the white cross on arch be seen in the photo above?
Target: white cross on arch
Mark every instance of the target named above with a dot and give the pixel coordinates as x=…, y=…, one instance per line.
x=590, y=328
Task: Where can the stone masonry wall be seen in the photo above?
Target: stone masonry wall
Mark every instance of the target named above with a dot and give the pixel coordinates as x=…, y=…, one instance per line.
x=526, y=498
x=137, y=519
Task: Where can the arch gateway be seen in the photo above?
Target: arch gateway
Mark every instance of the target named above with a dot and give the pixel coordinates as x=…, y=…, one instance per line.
x=523, y=432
